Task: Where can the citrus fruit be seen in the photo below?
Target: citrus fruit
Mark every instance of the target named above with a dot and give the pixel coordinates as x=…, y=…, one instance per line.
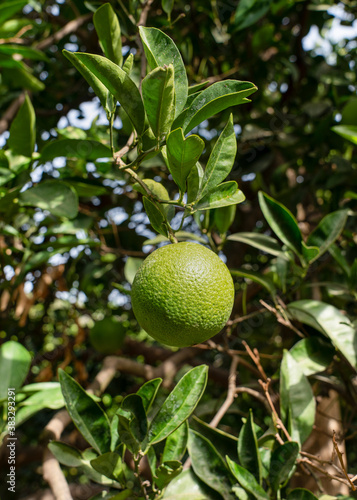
x=182, y=294
x=107, y=335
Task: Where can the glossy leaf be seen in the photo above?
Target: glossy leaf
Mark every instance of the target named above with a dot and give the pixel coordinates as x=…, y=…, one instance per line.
x=216, y=98
x=47, y=398
x=247, y=480
x=22, y=130
x=328, y=320
x=108, y=30
x=110, y=465
x=224, y=217
x=166, y=472
x=160, y=191
x=15, y=361
x=114, y=433
x=282, y=222
x=176, y=444
x=66, y=454
x=209, y=465
x=160, y=50
x=297, y=399
x=257, y=240
x=75, y=148
x=257, y=277
x=301, y=494
x=58, y=198
x=167, y=6
x=282, y=462
x=221, y=159
x=312, y=354
x=348, y=132
x=158, y=91
x=187, y=486
x=179, y=405
x=138, y=422
x=119, y=84
x=194, y=183
x=156, y=218
x=225, y=443
x=127, y=66
x=87, y=415
x=182, y=155
x=249, y=13
x=327, y=231
x=225, y=194
x=99, y=88
x=248, y=452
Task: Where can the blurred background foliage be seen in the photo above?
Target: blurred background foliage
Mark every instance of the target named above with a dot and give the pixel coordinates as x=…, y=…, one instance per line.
x=59, y=276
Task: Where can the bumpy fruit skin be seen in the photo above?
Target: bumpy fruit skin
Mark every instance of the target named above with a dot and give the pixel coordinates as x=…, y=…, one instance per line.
x=107, y=335
x=182, y=294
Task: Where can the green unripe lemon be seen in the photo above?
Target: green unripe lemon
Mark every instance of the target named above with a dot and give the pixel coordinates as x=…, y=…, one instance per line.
x=182, y=294
x=107, y=335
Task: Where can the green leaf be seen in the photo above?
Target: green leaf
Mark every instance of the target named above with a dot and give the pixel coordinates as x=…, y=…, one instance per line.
x=119, y=84
x=167, y=6
x=179, y=405
x=257, y=277
x=216, y=98
x=158, y=91
x=249, y=12
x=297, y=399
x=194, y=183
x=55, y=196
x=224, y=217
x=23, y=130
x=312, y=354
x=87, y=415
x=209, y=465
x=282, y=222
x=108, y=30
x=22, y=78
x=160, y=191
x=182, y=155
x=221, y=159
x=328, y=320
x=26, y=52
x=66, y=454
x=225, y=194
x=310, y=253
x=187, y=486
x=247, y=480
x=180, y=235
x=327, y=232
x=131, y=267
x=8, y=9
x=156, y=218
x=225, y=443
x=160, y=50
x=248, y=449
x=348, y=132
x=110, y=465
x=15, y=361
x=99, y=88
x=166, y=472
x=282, y=462
x=138, y=422
x=148, y=392
x=127, y=66
x=75, y=148
x=302, y=494
x=176, y=444
x=46, y=398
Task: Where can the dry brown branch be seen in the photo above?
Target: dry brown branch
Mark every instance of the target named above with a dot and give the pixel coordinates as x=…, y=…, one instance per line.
x=278, y=422
x=256, y=358
x=70, y=27
x=255, y=394
x=283, y=320
x=340, y=459
x=231, y=394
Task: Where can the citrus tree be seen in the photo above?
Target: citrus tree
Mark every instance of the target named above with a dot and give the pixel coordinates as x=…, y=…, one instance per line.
x=98, y=334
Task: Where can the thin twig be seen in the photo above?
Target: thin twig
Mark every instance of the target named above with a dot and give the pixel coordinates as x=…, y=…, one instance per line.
x=70, y=27
x=339, y=455
x=281, y=319
x=256, y=358
x=278, y=421
x=231, y=393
